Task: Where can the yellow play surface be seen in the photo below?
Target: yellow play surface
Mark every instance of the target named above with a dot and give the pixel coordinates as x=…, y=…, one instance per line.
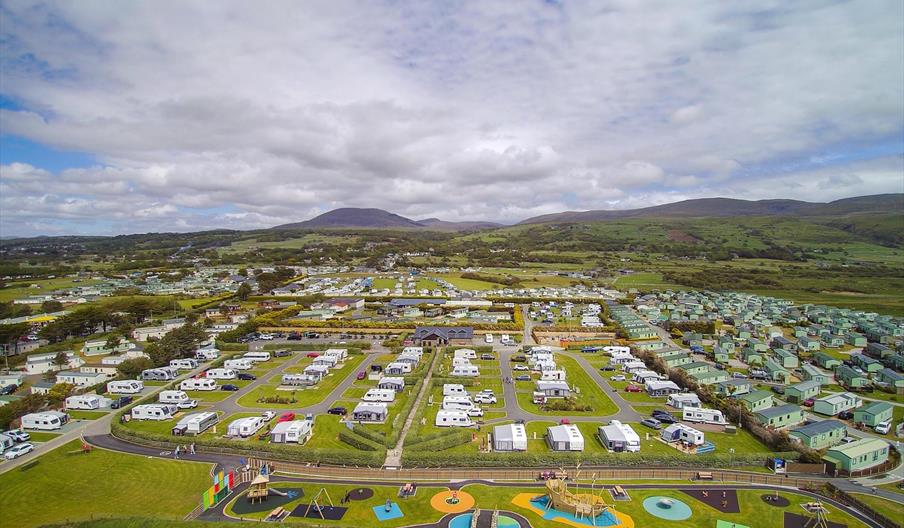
x=465, y=501
x=523, y=500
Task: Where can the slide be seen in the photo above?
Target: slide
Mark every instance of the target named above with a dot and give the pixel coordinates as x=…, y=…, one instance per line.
x=277, y=492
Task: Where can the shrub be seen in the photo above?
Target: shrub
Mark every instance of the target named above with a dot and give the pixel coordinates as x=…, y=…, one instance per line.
x=357, y=441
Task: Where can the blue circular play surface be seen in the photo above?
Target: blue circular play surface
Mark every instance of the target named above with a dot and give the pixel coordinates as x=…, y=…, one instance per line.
x=667, y=508
x=464, y=521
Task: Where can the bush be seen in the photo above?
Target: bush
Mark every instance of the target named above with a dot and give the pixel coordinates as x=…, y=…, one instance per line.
x=426, y=458
x=357, y=441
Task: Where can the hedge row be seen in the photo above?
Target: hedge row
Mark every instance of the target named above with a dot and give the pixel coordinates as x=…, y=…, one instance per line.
x=393, y=437
x=341, y=323
x=438, y=435
x=354, y=347
x=358, y=441
x=425, y=458
x=371, y=434
x=453, y=439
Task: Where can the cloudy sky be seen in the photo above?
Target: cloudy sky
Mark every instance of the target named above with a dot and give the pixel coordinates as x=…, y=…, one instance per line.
x=121, y=117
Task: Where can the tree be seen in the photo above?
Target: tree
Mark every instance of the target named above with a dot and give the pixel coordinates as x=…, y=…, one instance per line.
x=131, y=368
x=59, y=392
x=113, y=343
x=61, y=360
x=243, y=292
x=51, y=306
x=9, y=334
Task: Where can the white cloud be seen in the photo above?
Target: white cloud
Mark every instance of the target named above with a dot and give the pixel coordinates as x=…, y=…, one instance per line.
x=277, y=111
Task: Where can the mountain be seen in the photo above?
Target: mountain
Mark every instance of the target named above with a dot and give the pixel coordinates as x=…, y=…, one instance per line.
x=355, y=217
x=442, y=225
x=725, y=207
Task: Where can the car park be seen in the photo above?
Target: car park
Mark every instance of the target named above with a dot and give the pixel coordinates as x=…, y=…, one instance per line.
x=229, y=387
x=246, y=376
x=18, y=450
x=652, y=423
x=338, y=410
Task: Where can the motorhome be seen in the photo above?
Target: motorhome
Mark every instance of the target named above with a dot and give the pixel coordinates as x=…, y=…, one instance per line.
x=454, y=389
x=245, y=427
x=222, y=373
x=45, y=421
x=701, y=415
x=198, y=384
x=159, y=374
x=184, y=364
x=457, y=403
x=174, y=397
x=207, y=354
x=88, y=402
x=257, y=357
x=154, y=411
x=379, y=395
x=238, y=364
x=125, y=387
x=452, y=419
x=195, y=424
x=466, y=371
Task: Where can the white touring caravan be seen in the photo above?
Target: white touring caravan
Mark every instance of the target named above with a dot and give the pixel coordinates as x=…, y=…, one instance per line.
x=701, y=415
x=206, y=354
x=238, y=364
x=454, y=389
x=153, y=411
x=457, y=403
x=184, y=364
x=452, y=419
x=88, y=402
x=379, y=395
x=221, y=373
x=195, y=424
x=466, y=371
x=159, y=374
x=257, y=357
x=488, y=338
x=297, y=431
x=245, y=427
x=301, y=380
x=5, y=442
x=678, y=432
x=125, y=387
x=46, y=421
x=198, y=384
x=465, y=353
x=174, y=397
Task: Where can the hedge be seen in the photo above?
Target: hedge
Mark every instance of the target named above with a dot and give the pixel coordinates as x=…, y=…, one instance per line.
x=371, y=434
x=358, y=441
x=424, y=458
x=452, y=437
x=354, y=347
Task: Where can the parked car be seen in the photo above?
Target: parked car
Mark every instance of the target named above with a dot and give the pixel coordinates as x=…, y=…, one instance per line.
x=882, y=428
x=266, y=337
x=286, y=417
x=846, y=415
x=664, y=417
x=18, y=450
x=229, y=387
x=619, y=377
x=282, y=353
x=338, y=410
x=9, y=389
x=18, y=435
x=294, y=337
x=778, y=389
x=121, y=402
x=475, y=412
x=246, y=376
x=313, y=354
x=484, y=398
x=652, y=423
x=188, y=404
x=809, y=402
x=520, y=367
x=738, y=375
x=361, y=375
x=522, y=377
x=633, y=388
x=519, y=359
x=268, y=415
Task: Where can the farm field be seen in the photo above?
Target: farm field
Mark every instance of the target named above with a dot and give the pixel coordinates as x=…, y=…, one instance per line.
x=16, y=290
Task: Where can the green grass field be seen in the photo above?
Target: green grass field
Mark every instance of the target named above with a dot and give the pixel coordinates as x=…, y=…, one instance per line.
x=16, y=290
x=74, y=487
x=305, y=397
x=890, y=509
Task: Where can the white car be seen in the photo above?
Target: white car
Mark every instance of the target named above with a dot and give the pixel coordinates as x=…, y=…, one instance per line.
x=475, y=412
x=883, y=428
x=618, y=378
x=18, y=450
x=520, y=367
x=488, y=391
x=18, y=435
x=188, y=404
x=268, y=415
x=266, y=337
x=484, y=398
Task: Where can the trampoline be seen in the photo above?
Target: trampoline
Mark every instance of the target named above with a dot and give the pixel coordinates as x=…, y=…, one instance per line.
x=360, y=494
x=382, y=515
x=667, y=508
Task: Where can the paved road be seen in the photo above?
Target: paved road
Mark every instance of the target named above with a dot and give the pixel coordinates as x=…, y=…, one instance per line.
x=625, y=413
x=528, y=338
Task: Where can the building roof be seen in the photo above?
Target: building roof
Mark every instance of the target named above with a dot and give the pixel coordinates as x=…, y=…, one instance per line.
x=835, y=399
x=861, y=447
x=875, y=407
x=564, y=433
x=510, y=432
x=755, y=396
x=445, y=332
x=804, y=386
x=820, y=427
x=781, y=410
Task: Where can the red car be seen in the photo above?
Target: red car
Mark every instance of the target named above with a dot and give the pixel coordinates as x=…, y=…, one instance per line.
x=361, y=375
x=633, y=388
x=313, y=354
x=286, y=417
x=809, y=402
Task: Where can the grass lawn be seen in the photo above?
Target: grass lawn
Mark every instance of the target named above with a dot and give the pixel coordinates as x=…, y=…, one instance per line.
x=63, y=486
x=41, y=436
x=85, y=415
x=590, y=392
x=304, y=397
x=892, y=510
x=23, y=288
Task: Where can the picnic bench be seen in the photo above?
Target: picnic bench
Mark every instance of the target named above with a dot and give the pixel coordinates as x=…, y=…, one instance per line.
x=620, y=491
x=277, y=514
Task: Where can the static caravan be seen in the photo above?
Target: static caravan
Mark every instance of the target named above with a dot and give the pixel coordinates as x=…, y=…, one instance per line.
x=619, y=437
x=300, y=380
x=379, y=395
x=184, y=364
x=174, y=397
x=207, y=354
x=466, y=353
x=245, y=427
x=565, y=437
x=257, y=357
x=701, y=415
x=397, y=367
x=317, y=371
x=678, y=432
x=222, y=373
x=195, y=424
x=87, y=402
x=154, y=411
x=454, y=389
x=198, y=384
x=457, y=403
x=297, y=431
x=238, y=364
x=553, y=375
x=466, y=371
x=511, y=437
x=159, y=374
x=125, y=387
x=46, y=421
x=389, y=382
x=452, y=419
x=684, y=399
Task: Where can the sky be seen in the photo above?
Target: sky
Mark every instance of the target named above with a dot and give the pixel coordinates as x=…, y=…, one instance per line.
x=141, y=116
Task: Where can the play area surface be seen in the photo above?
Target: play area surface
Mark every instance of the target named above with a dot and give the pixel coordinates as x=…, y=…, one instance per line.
x=610, y=517
x=726, y=501
x=668, y=508
x=383, y=514
x=359, y=494
x=464, y=521
x=281, y=497
x=323, y=512
x=775, y=500
x=452, y=501
x=728, y=524
x=793, y=520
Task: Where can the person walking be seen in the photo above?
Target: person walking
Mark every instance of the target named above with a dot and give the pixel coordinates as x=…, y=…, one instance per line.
x=176, y=452
x=192, y=448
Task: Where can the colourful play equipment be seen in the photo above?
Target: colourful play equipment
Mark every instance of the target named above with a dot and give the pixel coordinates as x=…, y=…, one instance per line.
x=580, y=505
x=452, y=501
x=575, y=509
x=222, y=487
x=259, y=489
